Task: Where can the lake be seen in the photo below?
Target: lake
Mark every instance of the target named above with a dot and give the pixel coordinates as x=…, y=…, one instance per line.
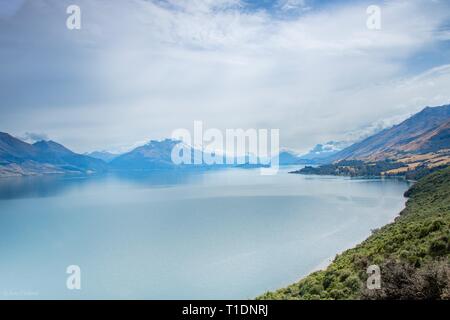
x=226, y=234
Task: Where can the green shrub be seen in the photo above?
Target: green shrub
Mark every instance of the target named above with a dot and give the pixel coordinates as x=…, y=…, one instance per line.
x=438, y=248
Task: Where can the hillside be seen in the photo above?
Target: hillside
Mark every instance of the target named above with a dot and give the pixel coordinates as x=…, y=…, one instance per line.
x=18, y=158
x=413, y=253
x=414, y=148
x=424, y=132
x=151, y=156
x=14, y=150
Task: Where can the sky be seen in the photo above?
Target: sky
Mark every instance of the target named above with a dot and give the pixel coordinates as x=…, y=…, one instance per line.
x=139, y=69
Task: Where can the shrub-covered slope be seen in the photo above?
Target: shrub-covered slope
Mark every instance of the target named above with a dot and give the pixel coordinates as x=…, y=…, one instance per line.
x=413, y=253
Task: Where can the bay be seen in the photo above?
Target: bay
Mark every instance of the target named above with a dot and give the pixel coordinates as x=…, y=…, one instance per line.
x=227, y=234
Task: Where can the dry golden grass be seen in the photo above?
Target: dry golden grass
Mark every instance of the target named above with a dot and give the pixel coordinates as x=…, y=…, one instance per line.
x=430, y=160
x=439, y=163
x=417, y=158
x=396, y=171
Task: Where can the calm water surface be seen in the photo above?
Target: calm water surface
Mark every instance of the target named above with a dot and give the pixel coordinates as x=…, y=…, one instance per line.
x=211, y=235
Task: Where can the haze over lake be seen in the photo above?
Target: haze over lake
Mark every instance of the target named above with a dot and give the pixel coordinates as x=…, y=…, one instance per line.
x=177, y=235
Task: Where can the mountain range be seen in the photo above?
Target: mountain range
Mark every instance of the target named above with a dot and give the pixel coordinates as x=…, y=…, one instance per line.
x=425, y=132
x=423, y=138
x=18, y=158
x=414, y=148
x=317, y=155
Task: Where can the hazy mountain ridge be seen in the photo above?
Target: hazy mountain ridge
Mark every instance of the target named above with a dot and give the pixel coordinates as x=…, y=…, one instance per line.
x=157, y=155
x=18, y=158
x=417, y=146
x=321, y=152
x=426, y=131
x=421, y=140
x=151, y=156
x=102, y=155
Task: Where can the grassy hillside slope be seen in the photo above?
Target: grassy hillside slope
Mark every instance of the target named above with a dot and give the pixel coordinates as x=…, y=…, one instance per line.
x=413, y=253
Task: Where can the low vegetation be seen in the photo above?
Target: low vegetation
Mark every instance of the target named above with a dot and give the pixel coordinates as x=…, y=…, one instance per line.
x=413, y=253
x=386, y=168
x=353, y=168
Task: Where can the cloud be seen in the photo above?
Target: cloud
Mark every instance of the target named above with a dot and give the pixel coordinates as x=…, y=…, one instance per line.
x=31, y=137
x=137, y=70
x=293, y=5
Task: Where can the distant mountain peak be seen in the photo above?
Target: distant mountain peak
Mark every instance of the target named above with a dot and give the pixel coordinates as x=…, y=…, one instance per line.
x=156, y=154
x=323, y=151
x=102, y=155
x=49, y=145
x=162, y=142
x=4, y=134
x=422, y=132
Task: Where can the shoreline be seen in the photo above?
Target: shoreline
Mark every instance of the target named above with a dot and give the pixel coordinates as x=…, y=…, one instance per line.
x=325, y=263
x=396, y=240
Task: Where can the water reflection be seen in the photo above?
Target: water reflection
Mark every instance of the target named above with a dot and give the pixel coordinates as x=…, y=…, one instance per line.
x=51, y=186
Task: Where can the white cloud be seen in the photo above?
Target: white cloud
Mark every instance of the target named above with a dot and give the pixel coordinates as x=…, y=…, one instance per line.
x=140, y=69
x=293, y=5
x=32, y=137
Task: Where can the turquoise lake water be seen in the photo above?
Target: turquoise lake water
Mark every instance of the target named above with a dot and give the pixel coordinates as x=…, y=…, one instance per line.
x=229, y=234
